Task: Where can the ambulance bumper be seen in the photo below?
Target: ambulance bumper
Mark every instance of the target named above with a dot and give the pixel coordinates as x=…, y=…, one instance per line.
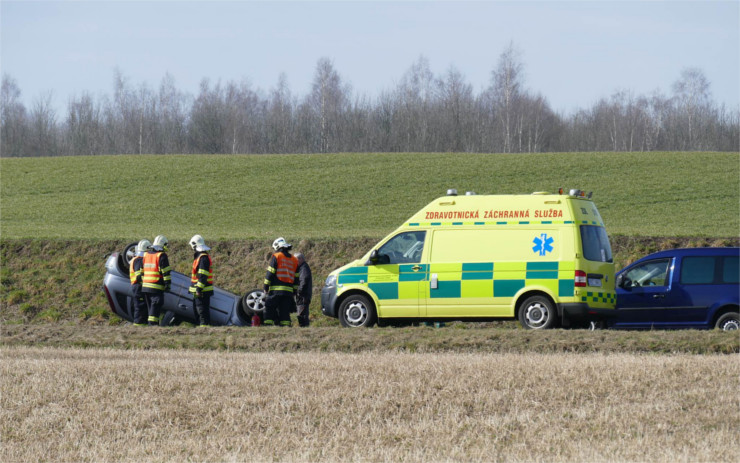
x=328, y=301
x=579, y=312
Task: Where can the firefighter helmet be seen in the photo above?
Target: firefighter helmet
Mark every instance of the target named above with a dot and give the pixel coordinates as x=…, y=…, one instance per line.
x=161, y=242
x=198, y=244
x=142, y=247
x=279, y=244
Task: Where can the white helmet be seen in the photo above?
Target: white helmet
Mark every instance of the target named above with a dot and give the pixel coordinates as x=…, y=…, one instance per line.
x=160, y=242
x=142, y=247
x=198, y=244
x=280, y=243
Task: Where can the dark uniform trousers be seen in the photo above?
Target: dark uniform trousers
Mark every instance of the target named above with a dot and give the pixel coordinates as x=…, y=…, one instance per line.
x=278, y=307
x=202, y=308
x=140, y=306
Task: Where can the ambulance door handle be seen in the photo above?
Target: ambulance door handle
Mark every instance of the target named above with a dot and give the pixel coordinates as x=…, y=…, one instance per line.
x=433, y=281
x=416, y=268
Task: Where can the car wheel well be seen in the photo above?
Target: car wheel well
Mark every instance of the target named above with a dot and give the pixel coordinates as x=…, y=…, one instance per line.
x=724, y=310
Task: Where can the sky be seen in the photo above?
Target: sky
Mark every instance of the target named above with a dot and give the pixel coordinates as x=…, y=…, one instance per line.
x=574, y=52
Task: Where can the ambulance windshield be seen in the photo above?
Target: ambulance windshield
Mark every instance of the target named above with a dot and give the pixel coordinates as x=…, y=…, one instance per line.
x=596, y=245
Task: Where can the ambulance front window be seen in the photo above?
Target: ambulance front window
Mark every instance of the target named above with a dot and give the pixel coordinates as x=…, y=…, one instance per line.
x=405, y=248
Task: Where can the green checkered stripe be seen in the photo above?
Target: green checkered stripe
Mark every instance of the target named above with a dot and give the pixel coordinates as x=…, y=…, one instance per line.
x=465, y=280
x=503, y=222
x=608, y=298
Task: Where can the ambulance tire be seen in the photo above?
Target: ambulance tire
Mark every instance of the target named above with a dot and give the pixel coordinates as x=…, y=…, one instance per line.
x=537, y=313
x=357, y=312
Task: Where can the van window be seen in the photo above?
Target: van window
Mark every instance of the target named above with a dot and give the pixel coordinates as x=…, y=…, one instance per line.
x=730, y=270
x=651, y=273
x=596, y=245
x=698, y=270
x=404, y=248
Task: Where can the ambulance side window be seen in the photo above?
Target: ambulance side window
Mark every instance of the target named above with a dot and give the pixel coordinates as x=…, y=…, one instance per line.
x=404, y=248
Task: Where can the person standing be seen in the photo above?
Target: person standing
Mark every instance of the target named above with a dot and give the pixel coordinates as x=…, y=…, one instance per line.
x=156, y=280
x=279, y=285
x=305, y=289
x=201, y=280
x=136, y=274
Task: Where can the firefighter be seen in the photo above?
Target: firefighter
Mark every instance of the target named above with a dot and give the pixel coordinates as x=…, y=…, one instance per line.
x=157, y=278
x=279, y=285
x=136, y=274
x=201, y=280
x=304, y=291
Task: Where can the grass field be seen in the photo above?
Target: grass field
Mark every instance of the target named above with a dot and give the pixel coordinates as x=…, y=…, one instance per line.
x=111, y=405
x=349, y=195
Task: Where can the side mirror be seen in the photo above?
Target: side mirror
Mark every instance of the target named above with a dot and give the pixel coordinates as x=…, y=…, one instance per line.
x=620, y=281
x=373, y=260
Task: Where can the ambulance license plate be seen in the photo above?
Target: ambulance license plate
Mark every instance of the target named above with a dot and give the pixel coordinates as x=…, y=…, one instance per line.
x=594, y=282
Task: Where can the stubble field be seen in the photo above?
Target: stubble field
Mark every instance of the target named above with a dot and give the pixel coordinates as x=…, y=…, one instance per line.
x=170, y=405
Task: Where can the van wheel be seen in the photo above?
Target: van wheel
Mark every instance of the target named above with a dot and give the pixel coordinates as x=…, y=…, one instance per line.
x=356, y=312
x=537, y=313
x=728, y=322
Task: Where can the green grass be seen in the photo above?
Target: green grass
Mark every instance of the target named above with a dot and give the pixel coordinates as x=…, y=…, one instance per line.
x=349, y=195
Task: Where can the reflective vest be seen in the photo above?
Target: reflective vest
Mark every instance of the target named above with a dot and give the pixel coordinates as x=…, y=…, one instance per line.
x=152, y=275
x=284, y=270
x=195, y=281
x=133, y=273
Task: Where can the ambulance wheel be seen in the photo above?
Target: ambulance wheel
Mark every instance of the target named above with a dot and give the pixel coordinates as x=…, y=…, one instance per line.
x=537, y=313
x=356, y=312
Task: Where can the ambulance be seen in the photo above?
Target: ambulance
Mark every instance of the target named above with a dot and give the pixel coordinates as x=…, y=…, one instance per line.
x=541, y=258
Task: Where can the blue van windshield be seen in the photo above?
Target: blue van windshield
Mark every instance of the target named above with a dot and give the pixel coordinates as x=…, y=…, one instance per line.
x=596, y=245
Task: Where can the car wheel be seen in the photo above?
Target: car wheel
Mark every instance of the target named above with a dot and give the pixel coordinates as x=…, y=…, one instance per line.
x=128, y=253
x=170, y=319
x=537, y=313
x=253, y=303
x=356, y=312
x=728, y=322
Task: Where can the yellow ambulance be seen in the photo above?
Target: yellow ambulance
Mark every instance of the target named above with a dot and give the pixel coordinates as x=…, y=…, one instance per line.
x=542, y=258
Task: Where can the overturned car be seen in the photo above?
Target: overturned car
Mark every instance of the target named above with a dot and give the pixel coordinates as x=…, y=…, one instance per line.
x=226, y=308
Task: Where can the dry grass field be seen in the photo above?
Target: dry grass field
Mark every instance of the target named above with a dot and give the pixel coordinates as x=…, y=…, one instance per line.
x=187, y=405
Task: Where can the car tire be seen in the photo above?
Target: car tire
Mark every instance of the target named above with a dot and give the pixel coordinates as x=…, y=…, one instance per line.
x=124, y=260
x=356, y=311
x=537, y=313
x=170, y=319
x=728, y=322
x=253, y=303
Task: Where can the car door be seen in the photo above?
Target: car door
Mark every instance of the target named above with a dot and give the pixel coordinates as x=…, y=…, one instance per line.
x=643, y=294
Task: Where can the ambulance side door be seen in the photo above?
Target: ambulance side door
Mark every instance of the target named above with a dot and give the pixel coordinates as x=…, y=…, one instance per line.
x=398, y=276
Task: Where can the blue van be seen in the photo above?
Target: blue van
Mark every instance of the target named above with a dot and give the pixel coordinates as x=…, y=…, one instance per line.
x=680, y=288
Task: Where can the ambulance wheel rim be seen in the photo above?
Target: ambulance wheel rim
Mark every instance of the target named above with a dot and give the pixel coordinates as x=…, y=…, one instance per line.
x=536, y=315
x=356, y=313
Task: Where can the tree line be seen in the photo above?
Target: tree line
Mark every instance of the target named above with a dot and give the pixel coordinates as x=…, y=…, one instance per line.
x=424, y=112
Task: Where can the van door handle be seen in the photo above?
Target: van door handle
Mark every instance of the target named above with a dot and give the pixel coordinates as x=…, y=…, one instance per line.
x=658, y=296
x=416, y=268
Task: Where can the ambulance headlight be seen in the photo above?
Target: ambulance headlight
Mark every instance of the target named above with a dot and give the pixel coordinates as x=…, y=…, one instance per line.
x=331, y=280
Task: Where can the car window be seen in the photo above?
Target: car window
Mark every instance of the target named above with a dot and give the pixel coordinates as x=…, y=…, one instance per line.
x=730, y=270
x=596, y=245
x=405, y=248
x=651, y=273
x=698, y=270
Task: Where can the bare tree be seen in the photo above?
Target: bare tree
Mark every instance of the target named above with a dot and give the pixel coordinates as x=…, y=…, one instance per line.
x=329, y=99
x=43, y=128
x=12, y=119
x=505, y=89
x=691, y=92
